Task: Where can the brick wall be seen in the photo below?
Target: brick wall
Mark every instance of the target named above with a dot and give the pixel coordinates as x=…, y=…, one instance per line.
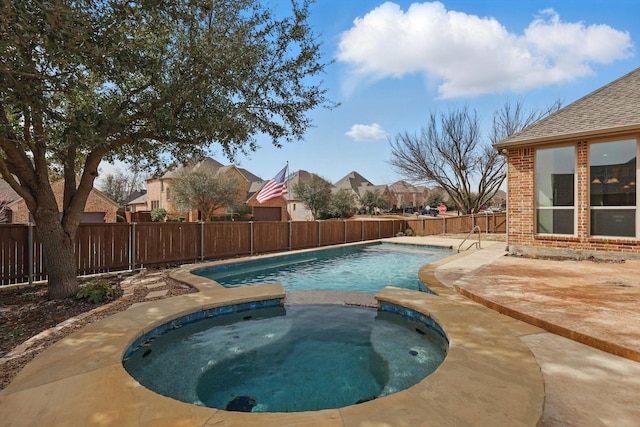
x=96, y=202
x=521, y=214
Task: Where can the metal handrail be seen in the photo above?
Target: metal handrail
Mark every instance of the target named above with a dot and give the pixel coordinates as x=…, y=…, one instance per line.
x=477, y=244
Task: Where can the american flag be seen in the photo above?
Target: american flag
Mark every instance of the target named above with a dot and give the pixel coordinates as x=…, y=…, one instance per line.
x=275, y=188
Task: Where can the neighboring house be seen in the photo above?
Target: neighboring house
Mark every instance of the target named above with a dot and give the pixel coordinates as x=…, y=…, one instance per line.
x=572, y=176
x=359, y=185
x=136, y=209
x=98, y=209
x=295, y=207
x=137, y=202
x=354, y=182
x=159, y=190
x=407, y=195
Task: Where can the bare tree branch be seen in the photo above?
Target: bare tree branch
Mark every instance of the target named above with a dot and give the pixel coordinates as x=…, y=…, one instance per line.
x=451, y=152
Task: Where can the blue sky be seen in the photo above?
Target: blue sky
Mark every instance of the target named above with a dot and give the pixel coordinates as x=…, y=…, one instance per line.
x=396, y=62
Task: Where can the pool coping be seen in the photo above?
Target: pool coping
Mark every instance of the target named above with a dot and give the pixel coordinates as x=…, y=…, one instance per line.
x=489, y=376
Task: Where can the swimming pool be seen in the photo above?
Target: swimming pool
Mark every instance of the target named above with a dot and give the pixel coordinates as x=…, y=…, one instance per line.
x=358, y=268
x=299, y=358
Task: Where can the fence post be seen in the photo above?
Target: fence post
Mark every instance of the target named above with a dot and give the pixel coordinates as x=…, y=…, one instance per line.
x=344, y=222
x=444, y=225
x=379, y=235
x=30, y=251
x=132, y=246
x=201, y=240
x=290, y=235
x=319, y=233
x=251, y=237
x=362, y=230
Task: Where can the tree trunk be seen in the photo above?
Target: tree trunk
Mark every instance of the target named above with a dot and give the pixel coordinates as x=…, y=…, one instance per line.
x=59, y=256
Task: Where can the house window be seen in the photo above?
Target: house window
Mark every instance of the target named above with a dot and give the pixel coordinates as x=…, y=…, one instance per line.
x=612, y=188
x=168, y=191
x=555, y=190
x=155, y=204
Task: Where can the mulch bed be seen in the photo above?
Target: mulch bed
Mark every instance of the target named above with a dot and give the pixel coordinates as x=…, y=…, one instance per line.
x=26, y=312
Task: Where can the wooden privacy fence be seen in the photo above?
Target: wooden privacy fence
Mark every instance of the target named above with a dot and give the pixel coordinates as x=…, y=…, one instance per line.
x=488, y=223
x=112, y=247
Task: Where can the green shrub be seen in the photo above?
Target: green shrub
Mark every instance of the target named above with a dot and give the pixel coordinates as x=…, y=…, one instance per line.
x=158, y=214
x=96, y=291
x=399, y=234
x=409, y=232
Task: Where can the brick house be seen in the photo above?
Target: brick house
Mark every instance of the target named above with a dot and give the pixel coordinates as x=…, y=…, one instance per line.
x=407, y=195
x=159, y=194
x=98, y=209
x=295, y=208
x=571, y=177
x=359, y=185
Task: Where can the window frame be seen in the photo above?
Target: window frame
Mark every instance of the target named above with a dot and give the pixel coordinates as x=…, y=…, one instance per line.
x=536, y=205
x=591, y=208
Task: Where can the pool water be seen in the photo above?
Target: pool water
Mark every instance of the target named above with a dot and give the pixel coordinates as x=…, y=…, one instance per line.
x=360, y=268
x=302, y=358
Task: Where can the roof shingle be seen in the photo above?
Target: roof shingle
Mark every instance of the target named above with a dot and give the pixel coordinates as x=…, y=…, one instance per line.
x=614, y=108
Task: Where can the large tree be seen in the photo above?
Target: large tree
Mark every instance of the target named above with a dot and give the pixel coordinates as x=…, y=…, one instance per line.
x=452, y=153
x=342, y=204
x=87, y=80
x=371, y=200
x=205, y=191
x=315, y=193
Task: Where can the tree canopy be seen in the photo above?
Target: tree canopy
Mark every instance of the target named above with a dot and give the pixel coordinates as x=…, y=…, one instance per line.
x=86, y=80
x=205, y=191
x=342, y=204
x=315, y=193
x=371, y=200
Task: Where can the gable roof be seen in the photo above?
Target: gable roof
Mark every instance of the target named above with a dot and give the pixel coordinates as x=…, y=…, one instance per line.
x=204, y=164
x=296, y=178
x=612, y=109
x=353, y=181
x=405, y=187
x=207, y=164
x=250, y=177
x=141, y=199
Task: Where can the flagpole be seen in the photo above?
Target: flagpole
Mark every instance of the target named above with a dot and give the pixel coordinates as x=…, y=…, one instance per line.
x=288, y=189
x=289, y=216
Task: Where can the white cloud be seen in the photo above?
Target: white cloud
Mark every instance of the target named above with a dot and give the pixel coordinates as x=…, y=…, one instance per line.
x=471, y=55
x=370, y=132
